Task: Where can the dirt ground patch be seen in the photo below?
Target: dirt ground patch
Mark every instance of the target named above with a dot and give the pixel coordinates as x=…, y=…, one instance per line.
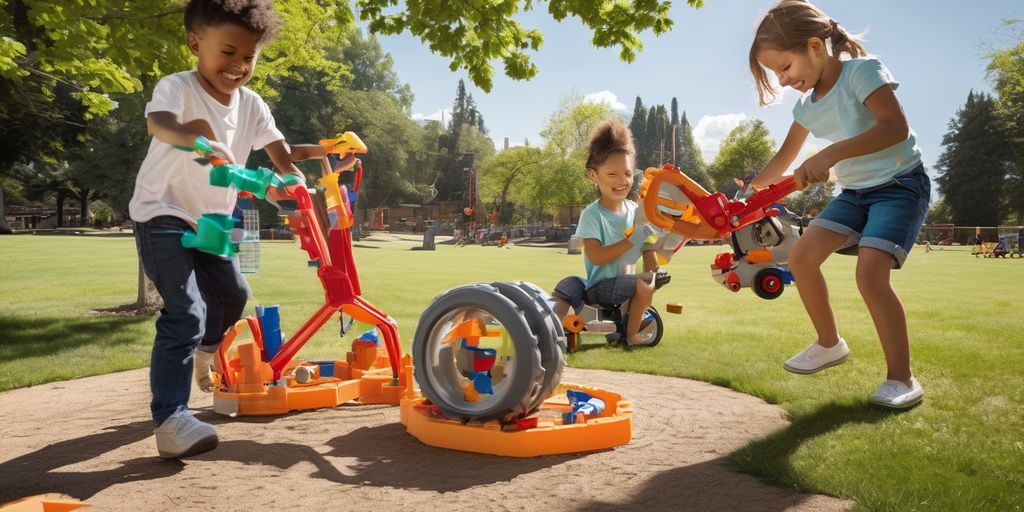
x=92, y=439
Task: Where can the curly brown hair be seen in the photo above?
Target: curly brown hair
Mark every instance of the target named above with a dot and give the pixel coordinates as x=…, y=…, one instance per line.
x=608, y=137
x=257, y=16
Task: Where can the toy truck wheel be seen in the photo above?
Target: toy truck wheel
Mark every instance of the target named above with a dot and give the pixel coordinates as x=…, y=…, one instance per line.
x=768, y=284
x=445, y=367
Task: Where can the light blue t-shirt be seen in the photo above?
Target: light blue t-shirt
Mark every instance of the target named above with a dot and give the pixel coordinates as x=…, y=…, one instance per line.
x=608, y=228
x=841, y=114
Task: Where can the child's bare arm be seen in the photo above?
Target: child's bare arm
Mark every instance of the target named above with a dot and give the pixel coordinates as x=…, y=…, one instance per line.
x=300, y=152
x=166, y=128
x=650, y=261
x=282, y=155
x=600, y=254
x=773, y=170
x=890, y=129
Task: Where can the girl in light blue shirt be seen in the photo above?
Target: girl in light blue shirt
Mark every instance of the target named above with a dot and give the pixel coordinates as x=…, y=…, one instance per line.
x=885, y=190
x=609, y=254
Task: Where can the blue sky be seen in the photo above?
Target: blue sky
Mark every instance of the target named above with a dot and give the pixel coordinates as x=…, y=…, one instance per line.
x=936, y=49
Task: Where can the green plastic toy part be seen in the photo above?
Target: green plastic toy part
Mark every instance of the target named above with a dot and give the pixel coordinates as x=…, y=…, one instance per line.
x=212, y=235
x=254, y=181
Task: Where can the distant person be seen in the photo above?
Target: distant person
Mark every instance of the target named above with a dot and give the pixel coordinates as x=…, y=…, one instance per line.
x=207, y=108
x=611, y=255
x=885, y=191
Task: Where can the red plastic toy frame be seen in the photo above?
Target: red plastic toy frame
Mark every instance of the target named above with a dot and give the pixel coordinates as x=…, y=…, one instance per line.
x=721, y=215
x=337, y=272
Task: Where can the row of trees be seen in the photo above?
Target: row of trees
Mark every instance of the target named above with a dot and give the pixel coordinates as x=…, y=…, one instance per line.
x=981, y=169
x=75, y=74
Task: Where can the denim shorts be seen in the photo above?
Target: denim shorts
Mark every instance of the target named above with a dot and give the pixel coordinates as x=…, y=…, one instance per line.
x=612, y=291
x=886, y=217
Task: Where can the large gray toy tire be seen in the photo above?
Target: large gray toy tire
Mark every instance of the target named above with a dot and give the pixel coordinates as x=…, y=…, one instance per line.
x=532, y=301
x=437, y=373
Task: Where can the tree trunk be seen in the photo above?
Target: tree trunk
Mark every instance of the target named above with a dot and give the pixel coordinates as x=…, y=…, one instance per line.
x=147, y=300
x=5, y=228
x=83, y=207
x=60, y=208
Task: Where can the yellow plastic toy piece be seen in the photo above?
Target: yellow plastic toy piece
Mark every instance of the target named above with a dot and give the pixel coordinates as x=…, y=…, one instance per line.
x=613, y=427
x=346, y=143
x=335, y=197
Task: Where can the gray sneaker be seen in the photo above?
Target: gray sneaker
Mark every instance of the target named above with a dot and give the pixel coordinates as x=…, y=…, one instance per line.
x=182, y=435
x=816, y=358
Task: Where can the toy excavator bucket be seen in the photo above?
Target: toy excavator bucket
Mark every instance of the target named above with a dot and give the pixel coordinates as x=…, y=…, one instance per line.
x=344, y=144
x=672, y=206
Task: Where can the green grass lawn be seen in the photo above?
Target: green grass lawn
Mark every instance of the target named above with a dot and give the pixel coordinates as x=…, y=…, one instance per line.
x=962, y=449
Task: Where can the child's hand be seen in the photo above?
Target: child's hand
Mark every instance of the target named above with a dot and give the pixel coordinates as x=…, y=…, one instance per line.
x=221, y=151
x=813, y=170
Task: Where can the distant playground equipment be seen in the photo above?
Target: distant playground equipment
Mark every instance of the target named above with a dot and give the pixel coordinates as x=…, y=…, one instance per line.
x=760, y=241
x=489, y=356
x=1008, y=246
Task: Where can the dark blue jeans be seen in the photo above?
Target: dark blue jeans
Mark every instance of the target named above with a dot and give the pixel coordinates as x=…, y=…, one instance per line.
x=203, y=296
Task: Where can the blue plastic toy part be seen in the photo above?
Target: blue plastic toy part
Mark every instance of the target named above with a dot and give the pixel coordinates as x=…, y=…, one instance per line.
x=212, y=235
x=370, y=335
x=786, y=276
x=326, y=368
x=481, y=382
x=270, y=325
x=483, y=361
x=582, y=403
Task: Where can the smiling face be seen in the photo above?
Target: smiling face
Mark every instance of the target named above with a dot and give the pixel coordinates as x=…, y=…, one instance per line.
x=614, y=178
x=227, y=56
x=800, y=69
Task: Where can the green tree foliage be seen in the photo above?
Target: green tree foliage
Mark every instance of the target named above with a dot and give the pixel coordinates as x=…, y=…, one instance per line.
x=638, y=125
x=506, y=179
x=812, y=199
x=473, y=34
x=688, y=155
x=566, y=137
x=63, y=63
x=1007, y=73
x=463, y=144
x=975, y=164
x=748, y=147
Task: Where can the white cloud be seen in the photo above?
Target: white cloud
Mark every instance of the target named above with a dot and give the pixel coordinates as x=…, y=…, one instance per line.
x=710, y=131
x=436, y=116
x=606, y=97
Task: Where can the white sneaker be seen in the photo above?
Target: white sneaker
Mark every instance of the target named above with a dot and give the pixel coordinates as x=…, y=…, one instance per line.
x=895, y=394
x=182, y=435
x=202, y=362
x=816, y=358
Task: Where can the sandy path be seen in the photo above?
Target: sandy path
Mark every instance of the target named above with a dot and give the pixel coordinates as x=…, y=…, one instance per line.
x=92, y=439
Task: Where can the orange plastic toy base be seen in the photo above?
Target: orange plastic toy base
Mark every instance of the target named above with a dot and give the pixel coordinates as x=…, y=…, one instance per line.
x=613, y=427
x=43, y=503
x=260, y=398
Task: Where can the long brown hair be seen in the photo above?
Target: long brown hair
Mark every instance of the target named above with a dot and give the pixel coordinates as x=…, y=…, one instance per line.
x=787, y=27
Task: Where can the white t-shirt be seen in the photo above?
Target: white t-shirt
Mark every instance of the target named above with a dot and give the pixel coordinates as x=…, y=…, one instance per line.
x=169, y=181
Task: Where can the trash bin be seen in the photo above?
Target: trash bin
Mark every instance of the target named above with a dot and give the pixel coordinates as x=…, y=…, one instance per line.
x=429, y=232
x=575, y=245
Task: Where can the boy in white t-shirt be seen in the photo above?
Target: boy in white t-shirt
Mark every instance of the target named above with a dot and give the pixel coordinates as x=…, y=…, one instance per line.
x=203, y=294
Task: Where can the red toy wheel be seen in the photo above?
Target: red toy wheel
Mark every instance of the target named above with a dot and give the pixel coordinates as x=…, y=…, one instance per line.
x=768, y=284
